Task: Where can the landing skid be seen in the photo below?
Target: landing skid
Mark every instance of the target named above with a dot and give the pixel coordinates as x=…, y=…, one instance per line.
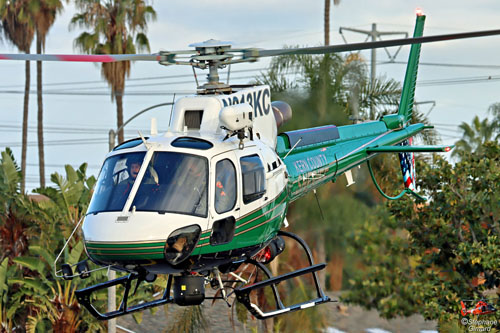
x=243, y=293
x=84, y=297
x=190, y=290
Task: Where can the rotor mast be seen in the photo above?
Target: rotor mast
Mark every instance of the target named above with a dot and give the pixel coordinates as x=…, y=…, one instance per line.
x=212, y=54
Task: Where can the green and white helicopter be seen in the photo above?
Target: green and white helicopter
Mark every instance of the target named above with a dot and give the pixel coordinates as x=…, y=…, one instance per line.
x=213, y=191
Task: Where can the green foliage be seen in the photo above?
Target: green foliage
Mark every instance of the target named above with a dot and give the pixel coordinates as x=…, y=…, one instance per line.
x=189, y=320
x=10, y=174
x=307, y=320
x=31, y=297
x=476, y=134
x=426, y=258
x=330, y=87
x=341, y=217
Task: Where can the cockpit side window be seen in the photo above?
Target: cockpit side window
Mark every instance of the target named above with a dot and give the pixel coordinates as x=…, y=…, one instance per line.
x=254, y=179
x=225, y=186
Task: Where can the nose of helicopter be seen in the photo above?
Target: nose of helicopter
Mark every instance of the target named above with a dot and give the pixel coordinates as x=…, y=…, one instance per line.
x=141, y=237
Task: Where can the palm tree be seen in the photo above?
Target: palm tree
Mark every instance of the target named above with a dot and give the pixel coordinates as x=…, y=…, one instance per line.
x=118, y=27
x=328, y=82
x=43, y=13
x=494, y=109
x=475, y=135
x=19, y=30
x=327, y=19
x=328, y=89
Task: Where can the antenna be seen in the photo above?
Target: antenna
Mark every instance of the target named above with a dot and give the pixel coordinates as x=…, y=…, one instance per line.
x=172, y=110
x=154, y=127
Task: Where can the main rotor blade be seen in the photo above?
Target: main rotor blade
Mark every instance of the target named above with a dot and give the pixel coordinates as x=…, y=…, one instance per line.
x=373, y=45
x=81, y=57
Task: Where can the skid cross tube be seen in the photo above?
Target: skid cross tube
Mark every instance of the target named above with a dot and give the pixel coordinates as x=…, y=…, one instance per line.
x=84, y=297
x=243, y=293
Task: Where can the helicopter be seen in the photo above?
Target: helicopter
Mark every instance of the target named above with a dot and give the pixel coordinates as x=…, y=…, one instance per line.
x=212, y=193
x=481, y=307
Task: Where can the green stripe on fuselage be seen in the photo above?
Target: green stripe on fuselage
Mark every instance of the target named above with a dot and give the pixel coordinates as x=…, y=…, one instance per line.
x=109, y=251
x=252, y=229
x=123, y=244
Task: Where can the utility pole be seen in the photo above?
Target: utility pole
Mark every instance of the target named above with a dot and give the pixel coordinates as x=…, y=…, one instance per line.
x=374, y=34
x=112, y=132
x=112, y=273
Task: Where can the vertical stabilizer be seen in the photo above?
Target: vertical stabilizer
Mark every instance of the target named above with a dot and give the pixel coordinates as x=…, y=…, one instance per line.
x=408, y=93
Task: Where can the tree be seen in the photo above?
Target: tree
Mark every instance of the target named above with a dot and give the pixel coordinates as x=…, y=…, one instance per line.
x=118, y=27
x=19, y=30
x=43, y=13
x=31, y=297
x=494, y=109
x=15, y=210
x=320, y=89
x=333, y=87
x=327, y=19
x=426, y=258
x=475, y=135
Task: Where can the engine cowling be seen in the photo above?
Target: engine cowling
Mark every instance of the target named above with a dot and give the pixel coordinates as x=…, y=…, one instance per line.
x=282, y=112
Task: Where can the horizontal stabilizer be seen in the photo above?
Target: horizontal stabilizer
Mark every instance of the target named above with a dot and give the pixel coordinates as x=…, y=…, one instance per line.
x=409, y=149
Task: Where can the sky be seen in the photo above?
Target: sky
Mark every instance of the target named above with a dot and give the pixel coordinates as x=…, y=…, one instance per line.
x=78, y=111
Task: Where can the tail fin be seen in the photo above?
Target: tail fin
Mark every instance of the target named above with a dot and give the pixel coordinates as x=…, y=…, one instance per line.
x=464, y=309
x=408, y=93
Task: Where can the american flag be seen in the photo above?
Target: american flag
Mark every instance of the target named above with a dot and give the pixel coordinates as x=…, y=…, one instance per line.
x=407, y=161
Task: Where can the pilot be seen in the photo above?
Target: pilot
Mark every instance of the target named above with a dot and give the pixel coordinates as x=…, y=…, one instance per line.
x=133, y=167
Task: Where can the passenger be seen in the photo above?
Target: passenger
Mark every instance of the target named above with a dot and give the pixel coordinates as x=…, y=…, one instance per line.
x=190, y=187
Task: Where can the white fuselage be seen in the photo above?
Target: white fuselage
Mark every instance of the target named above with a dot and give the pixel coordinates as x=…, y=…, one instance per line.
x=131, y=228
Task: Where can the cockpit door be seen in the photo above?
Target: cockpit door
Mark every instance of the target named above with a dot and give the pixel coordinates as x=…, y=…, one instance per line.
x=224, y=205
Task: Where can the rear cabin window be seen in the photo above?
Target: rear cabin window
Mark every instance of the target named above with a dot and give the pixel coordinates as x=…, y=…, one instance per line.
x=225, y=186
x=253, y=175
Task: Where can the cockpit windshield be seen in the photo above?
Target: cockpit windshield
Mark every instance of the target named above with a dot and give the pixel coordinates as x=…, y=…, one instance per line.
x=173, y=182
x=115, y=181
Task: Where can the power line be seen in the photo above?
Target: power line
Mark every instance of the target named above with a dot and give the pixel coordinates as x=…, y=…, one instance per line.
x=134, y=79
x=89, y=166
x=151, y=84
x=436, y=82
x=458, y=80
x=101, y=93
x=450, y=136
x=449, y=130
x=57, y=142
x=475, y=66
x=450, y=125
x=67, y=130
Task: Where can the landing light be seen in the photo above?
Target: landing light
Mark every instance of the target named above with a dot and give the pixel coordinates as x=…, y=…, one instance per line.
x=181, y=243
